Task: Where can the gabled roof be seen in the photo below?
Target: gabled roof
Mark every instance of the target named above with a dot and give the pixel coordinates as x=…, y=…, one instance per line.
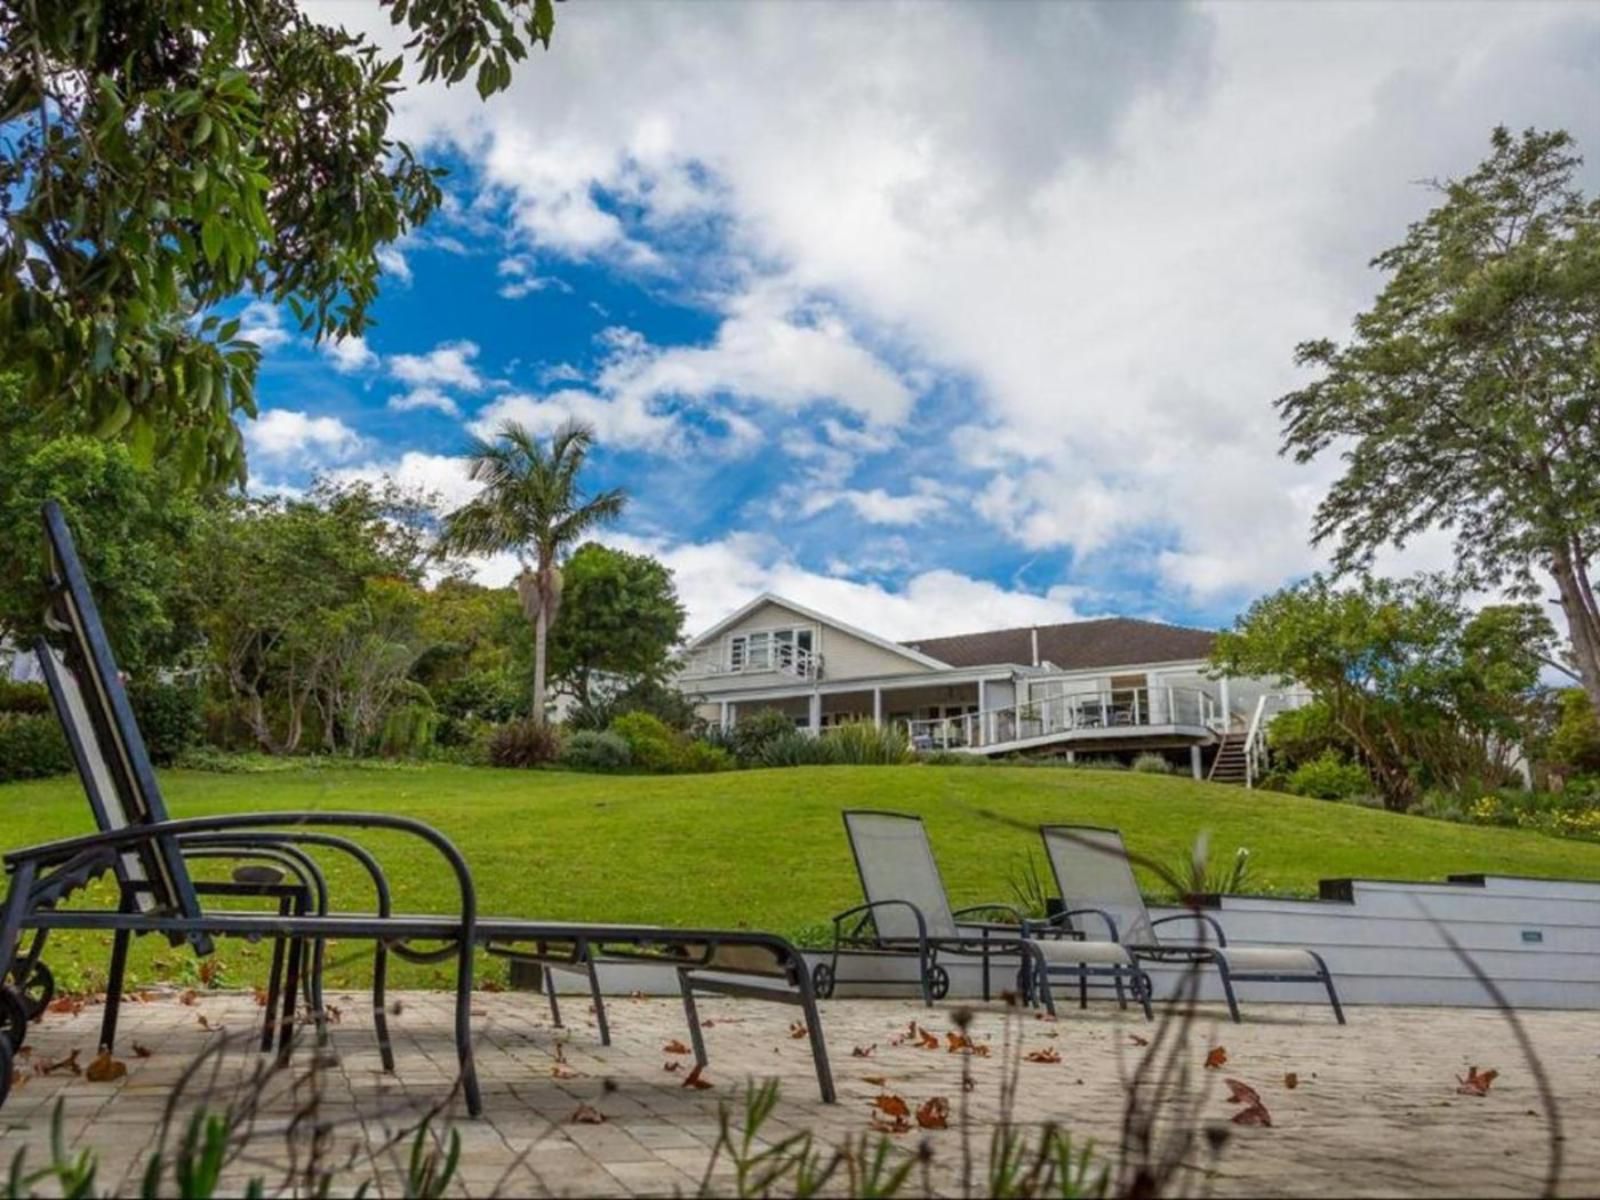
x=811, y=614
x=1074, y=646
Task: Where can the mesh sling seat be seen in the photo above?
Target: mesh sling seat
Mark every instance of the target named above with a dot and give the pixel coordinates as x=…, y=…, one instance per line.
x=907, y=912
x=1091, y=867
x=148, y=855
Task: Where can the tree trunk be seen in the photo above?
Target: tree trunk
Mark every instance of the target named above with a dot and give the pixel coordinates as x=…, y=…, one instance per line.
x=1583, y=623
x=539, y=637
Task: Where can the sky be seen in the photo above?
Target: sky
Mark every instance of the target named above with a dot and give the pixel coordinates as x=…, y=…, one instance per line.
x=935, y=317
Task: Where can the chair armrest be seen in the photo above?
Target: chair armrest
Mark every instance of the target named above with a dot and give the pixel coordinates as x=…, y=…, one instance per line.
x=1216, y=927
x=288, y=841
x=1061, y=918
x=1016, y=915
x=866, y=910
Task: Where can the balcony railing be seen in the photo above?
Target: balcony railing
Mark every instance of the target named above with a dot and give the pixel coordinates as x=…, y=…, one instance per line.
x=1079, y=712
x=792, y=661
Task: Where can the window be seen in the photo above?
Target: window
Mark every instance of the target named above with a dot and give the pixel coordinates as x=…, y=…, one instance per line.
x=771, y=649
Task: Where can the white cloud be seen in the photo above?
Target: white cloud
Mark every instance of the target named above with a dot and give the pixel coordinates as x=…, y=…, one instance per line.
x=290, y=437
x=262, y=323
x=443, y=475
x=877, y=506
x=523, y=279
x=424, y=397
x=350, y=355
x=393, y=261
x=449, y=364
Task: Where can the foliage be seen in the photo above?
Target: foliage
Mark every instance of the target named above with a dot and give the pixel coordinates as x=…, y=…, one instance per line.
x=411, y=724
x=1305, y=733
x=699, y=756
x=1571, y=813
x=1429, y=693
x=533, y=506
x=1575, y=744
x=221, y=762
x=954, y=758
x=1469, y=396
x=1199, y=875
x=593, y=750
x=864, y=744
x=1152, y=764
x=1329, y=777
x=32, y=746
x=168, y=715
x=621, y=621
x=660, y=699
x=18, y=697
x=752, y=733
x=651, y=745
x=524, y=743
x=163, y=158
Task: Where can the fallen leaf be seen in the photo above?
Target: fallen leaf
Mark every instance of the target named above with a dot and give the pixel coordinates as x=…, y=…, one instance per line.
x=1240, y=1092
x=189, y=996
x=141, y=1051
x=492, y=985
x=585, y=1115
x=797, y=1029
x=65, y=1004
x=1477, y=1082
x=934, y=1113
x=693, y=1080
x=69, y=1063
x=1137, y=1040
x=863, y=1051
x=876, y=1080
x=143, y=997
x=1011, y=999
x=671, y=1064
x=17, y=1077
x=675, y=1047
x=210, y=972
x=1291, y=1081
x=1215, y=1058
x=960, y=1043
x=891, y=1105
x=897, y=1126
x=261, y=997
x=397, y=1007
x=562, y=1071
x=334, y=1015
x=928, y=1041
x=1047, y=1055
x=105, y=1069
x=1254, y=1114
x=207, y=1025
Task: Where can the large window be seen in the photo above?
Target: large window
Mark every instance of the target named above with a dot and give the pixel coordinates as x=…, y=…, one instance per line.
x=771, y=649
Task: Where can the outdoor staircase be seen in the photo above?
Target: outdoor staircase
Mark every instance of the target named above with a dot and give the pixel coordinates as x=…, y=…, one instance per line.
x=1230, y=765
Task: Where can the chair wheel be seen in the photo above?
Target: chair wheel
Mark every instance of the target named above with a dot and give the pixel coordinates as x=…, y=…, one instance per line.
x=13, y=1017
x=938, y=982
x=822, y=980
x=38, y=991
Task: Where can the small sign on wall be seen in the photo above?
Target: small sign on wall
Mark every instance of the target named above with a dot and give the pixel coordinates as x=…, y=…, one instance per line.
x=1533, y=935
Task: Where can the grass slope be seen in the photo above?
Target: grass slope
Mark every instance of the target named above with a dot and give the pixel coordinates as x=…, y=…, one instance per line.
x=766, y=849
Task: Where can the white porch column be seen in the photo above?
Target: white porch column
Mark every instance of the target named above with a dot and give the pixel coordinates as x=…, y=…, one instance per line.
x=815, y=716
x=877, y=707
x=722, y=716
x=1194, y=761
x=1227, y=710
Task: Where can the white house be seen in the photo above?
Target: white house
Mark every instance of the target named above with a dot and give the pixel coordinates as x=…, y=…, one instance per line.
x=1114, y=686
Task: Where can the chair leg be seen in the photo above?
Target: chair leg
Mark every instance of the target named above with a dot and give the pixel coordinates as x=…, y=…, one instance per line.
x=468, y=1069
x=313, y=987
x=599, y=1004
x=1227, y=990
x=380, y=1014
x=1122, y=998
x=819, y=1047
x=291, y=996
x=1083, y=986
x=550, y=995
x=269, y=1024
x=924, y=964
x=114, y=981
x=691, y=1014
x=1327, y=982
x=1042, y=974
x=1144, y=987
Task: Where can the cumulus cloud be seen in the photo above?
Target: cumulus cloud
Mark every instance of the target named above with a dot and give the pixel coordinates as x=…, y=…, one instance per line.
x=442, y=475
x=350, y=355
x=877, y=506
x=424, y=397
x=522, y=278
x=290, y=437
x=449, y=364
x=262, y=323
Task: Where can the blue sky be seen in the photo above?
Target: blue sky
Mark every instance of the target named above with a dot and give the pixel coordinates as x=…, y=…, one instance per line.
x=935, y=317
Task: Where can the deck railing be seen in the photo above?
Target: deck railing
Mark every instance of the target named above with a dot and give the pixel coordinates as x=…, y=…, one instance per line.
x=781, y=659
x=1077, y=712
x=1267, y=709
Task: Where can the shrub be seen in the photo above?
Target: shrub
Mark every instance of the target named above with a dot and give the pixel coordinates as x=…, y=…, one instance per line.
x=1329, y=777
x=651, y=745
x=702, y=757
x=16, y=697
x=591, y=750
x=1304, y=735
x=865, y=744
x=169, y=717
x=32, y=746
x=796, y=749
x=752, y=734
x=1576, y=741
x=954, y=758
x=524, y=743
x=1152, y=764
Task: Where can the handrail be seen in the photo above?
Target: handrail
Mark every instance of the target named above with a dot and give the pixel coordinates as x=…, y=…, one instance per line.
x=1103, y=708
x=1255, y=738
x=782, y=659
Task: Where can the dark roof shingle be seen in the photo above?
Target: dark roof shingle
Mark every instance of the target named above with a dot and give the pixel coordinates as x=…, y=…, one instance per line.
x=1077, y=645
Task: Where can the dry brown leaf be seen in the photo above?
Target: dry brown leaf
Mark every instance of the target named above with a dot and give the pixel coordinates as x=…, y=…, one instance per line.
x=1254, y=1114
x=1476, y=1082
x=675, y=1047
x=897, y=1126
x=65, y=1004
x=189, y=996
x=261, y=997
x=334, y=1015
x=105, y=1069
x=562, y=1071
x=927, y=1040
x=206, y=1024
x=141, y=1051
x=934, y=1113
x=18, y=1078
x=1291, y=1081
x=1011, y=999
x=1215, y=1058
x=397, y=1007
x=586, y=1115
x=210, y=971
x=671, y=1064
x=69, y=1063
x=891, y=1105
x=1047, y=1055
x=693, y=1079
x=1240, y=1092
x=797, y=1029
x=863, y=1051
x=492, y=985
x=1137, y=1040
x=960, y=1043
x=876, y=1080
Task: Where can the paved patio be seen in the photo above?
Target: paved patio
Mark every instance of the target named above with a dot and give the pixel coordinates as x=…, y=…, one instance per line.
x=1375, y=1111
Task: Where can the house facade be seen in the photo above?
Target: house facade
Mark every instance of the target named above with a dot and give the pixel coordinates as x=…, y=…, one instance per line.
x=1110, y=687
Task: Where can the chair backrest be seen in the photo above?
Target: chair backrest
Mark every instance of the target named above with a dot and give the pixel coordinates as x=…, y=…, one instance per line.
x=106, y=745
x=895, y=862
x=1092, y=871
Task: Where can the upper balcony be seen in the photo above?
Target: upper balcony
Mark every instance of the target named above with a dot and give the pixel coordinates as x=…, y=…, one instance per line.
x=781, y=660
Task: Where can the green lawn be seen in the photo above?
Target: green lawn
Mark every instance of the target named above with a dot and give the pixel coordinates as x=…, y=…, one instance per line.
x=766, y=849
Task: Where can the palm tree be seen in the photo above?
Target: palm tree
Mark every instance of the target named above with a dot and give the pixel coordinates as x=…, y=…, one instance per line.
x=530, y=506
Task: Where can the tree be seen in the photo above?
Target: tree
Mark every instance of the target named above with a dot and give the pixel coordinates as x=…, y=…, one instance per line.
x=162, y=157
x=621, y=621
x=1430, y=694
x=1469, y=395
x=531, y=506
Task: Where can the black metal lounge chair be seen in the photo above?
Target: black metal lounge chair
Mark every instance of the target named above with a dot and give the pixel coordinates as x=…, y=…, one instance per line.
x=907, y=912
x=148, y=855
x=1091, y=867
